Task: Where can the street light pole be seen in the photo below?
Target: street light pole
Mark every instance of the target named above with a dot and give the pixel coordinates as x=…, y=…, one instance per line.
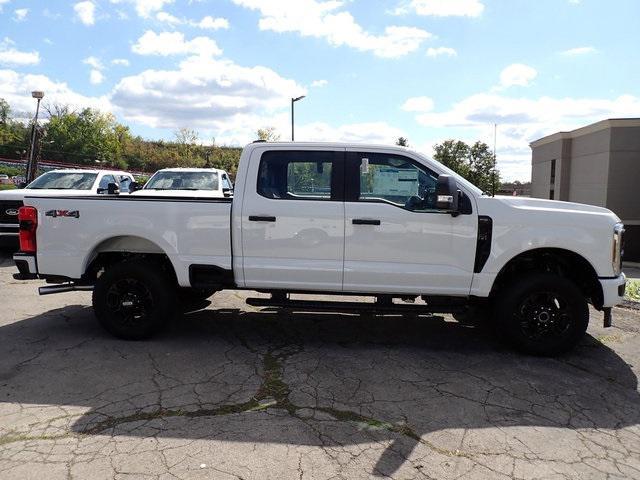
x=31, y=167
x=294, y=100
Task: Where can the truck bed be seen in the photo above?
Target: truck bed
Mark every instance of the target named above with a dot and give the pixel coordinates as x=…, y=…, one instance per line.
x=74, y=229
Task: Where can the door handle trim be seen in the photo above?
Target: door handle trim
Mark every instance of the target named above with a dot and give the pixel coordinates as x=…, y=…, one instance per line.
x=365, y=221
x=261, y=218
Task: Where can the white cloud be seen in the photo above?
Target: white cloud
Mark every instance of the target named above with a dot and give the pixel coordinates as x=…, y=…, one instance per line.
x=168, y=18
x=572, y=52
x=93, y=62
x=418, y=104
x=517, y=74
x=174, y=43
x=443, y=8
x=319, y=83
x=522, y=120
x=9, y=55
x=20, y=14
x=439, y=51
x=145, y=8
x=206, y=93
x=13, y=86
x=211, y=23
x=123, y=62
x=85, y=11
x=207, y=23
x=323, y=19
x=96, y=77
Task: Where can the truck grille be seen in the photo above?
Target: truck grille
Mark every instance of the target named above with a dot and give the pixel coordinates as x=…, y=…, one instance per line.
x=9, y=211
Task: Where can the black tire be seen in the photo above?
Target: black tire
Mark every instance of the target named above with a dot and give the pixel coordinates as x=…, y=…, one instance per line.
x=542, y=314
x=134, y=300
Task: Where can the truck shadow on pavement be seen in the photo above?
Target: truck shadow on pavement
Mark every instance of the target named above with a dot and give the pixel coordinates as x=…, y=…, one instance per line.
x=327, y=380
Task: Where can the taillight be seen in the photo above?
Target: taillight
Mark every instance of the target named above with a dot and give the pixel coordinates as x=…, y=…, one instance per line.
x=28, y=218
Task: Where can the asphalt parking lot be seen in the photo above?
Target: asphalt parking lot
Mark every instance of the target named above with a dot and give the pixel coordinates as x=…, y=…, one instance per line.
x=237, y=392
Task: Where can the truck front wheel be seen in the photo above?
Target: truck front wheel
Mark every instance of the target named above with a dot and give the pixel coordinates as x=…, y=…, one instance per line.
x=132, y=300
x=542, y=314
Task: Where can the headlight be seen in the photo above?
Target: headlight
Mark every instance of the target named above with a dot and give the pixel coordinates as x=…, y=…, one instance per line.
x=618, y=249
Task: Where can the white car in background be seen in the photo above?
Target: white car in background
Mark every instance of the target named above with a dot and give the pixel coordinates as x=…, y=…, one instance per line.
x=187, y=182
x=62, y=182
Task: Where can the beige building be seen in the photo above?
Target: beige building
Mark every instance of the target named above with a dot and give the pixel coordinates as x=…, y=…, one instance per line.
x=598, y=164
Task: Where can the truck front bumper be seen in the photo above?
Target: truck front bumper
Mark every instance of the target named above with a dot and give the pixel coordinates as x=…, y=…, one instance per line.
x=27, y=266
x=613, y=290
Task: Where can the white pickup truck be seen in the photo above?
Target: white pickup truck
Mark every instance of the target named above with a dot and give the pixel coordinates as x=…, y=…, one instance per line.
x=310, y=218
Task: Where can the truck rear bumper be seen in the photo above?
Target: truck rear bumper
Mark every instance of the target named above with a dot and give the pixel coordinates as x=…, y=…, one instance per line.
x=613, y=290
x=27, y=266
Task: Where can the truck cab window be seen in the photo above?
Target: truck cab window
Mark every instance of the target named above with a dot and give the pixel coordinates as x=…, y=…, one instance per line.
x=397, y=180
x=296, y=175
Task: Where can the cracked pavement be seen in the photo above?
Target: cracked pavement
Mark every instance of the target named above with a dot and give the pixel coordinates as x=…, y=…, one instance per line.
x=237, y=392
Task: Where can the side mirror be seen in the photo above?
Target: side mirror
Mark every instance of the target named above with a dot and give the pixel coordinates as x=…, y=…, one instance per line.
x=447, y=194
x=227, y=192
x=112, y=189
x=134, y=187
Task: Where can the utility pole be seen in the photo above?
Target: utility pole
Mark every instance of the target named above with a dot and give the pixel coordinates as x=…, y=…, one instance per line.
x=32, y=166
x=294, y=100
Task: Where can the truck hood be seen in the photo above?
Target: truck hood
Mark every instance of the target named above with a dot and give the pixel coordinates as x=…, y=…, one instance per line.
x=540, y=204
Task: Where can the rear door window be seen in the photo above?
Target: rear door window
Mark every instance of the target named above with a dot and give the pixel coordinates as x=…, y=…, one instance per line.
x=300, y=175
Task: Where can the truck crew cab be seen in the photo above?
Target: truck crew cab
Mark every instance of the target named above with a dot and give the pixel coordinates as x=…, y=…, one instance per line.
x=350, y=219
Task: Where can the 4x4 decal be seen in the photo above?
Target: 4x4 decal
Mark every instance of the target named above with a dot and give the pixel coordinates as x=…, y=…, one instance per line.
x=63, y=213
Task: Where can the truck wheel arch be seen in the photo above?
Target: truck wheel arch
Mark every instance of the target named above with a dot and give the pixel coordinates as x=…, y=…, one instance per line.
x=563, y=262
x=118, y=248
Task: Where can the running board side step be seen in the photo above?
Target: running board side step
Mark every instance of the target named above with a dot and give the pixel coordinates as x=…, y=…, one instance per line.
x=355, y=306
x=64, y=287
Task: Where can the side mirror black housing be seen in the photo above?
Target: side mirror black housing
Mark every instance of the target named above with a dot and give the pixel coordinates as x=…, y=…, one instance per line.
x=112, y=189
x=447, y=196
x=227, y=192
x=134, y=187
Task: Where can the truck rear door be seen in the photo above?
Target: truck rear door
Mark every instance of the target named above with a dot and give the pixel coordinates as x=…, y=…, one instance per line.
x=293, y=219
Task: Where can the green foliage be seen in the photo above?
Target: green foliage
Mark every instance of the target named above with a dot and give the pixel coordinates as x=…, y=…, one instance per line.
x=633, y=290
x=473, y=162
x=268, y=133
x=93, y=138
x=7, y=186
x=402, y=142
x=11, y=171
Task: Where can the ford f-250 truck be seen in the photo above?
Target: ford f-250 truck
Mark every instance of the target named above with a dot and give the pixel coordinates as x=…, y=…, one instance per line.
x=309, y=218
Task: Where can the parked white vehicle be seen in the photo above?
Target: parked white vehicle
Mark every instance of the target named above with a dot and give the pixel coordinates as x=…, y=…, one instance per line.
x=189, y=182
x=376, y=221
x=58, y=182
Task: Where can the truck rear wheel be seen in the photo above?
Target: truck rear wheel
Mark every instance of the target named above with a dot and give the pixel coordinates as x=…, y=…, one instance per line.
x=542, y=314
x=132, y=300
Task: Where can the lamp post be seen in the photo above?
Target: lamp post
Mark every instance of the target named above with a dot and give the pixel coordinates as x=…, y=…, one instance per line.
x=31, y=167
x=294, y=100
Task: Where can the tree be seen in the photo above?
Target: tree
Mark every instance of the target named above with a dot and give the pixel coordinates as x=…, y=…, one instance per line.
x=473, y=162
x=402, y=142
x=269, y=134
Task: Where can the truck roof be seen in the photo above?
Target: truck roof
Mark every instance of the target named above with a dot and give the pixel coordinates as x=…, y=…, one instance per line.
x=190, y=169
x=366, y=146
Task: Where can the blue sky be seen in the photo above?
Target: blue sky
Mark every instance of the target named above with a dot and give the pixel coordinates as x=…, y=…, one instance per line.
x=372, y=70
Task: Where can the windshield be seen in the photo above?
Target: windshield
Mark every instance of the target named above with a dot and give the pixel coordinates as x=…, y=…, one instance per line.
x=183, y=181
x=64, y=181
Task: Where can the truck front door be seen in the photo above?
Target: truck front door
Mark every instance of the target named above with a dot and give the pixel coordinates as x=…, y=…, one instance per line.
x=396, y=241
x=293, y=220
